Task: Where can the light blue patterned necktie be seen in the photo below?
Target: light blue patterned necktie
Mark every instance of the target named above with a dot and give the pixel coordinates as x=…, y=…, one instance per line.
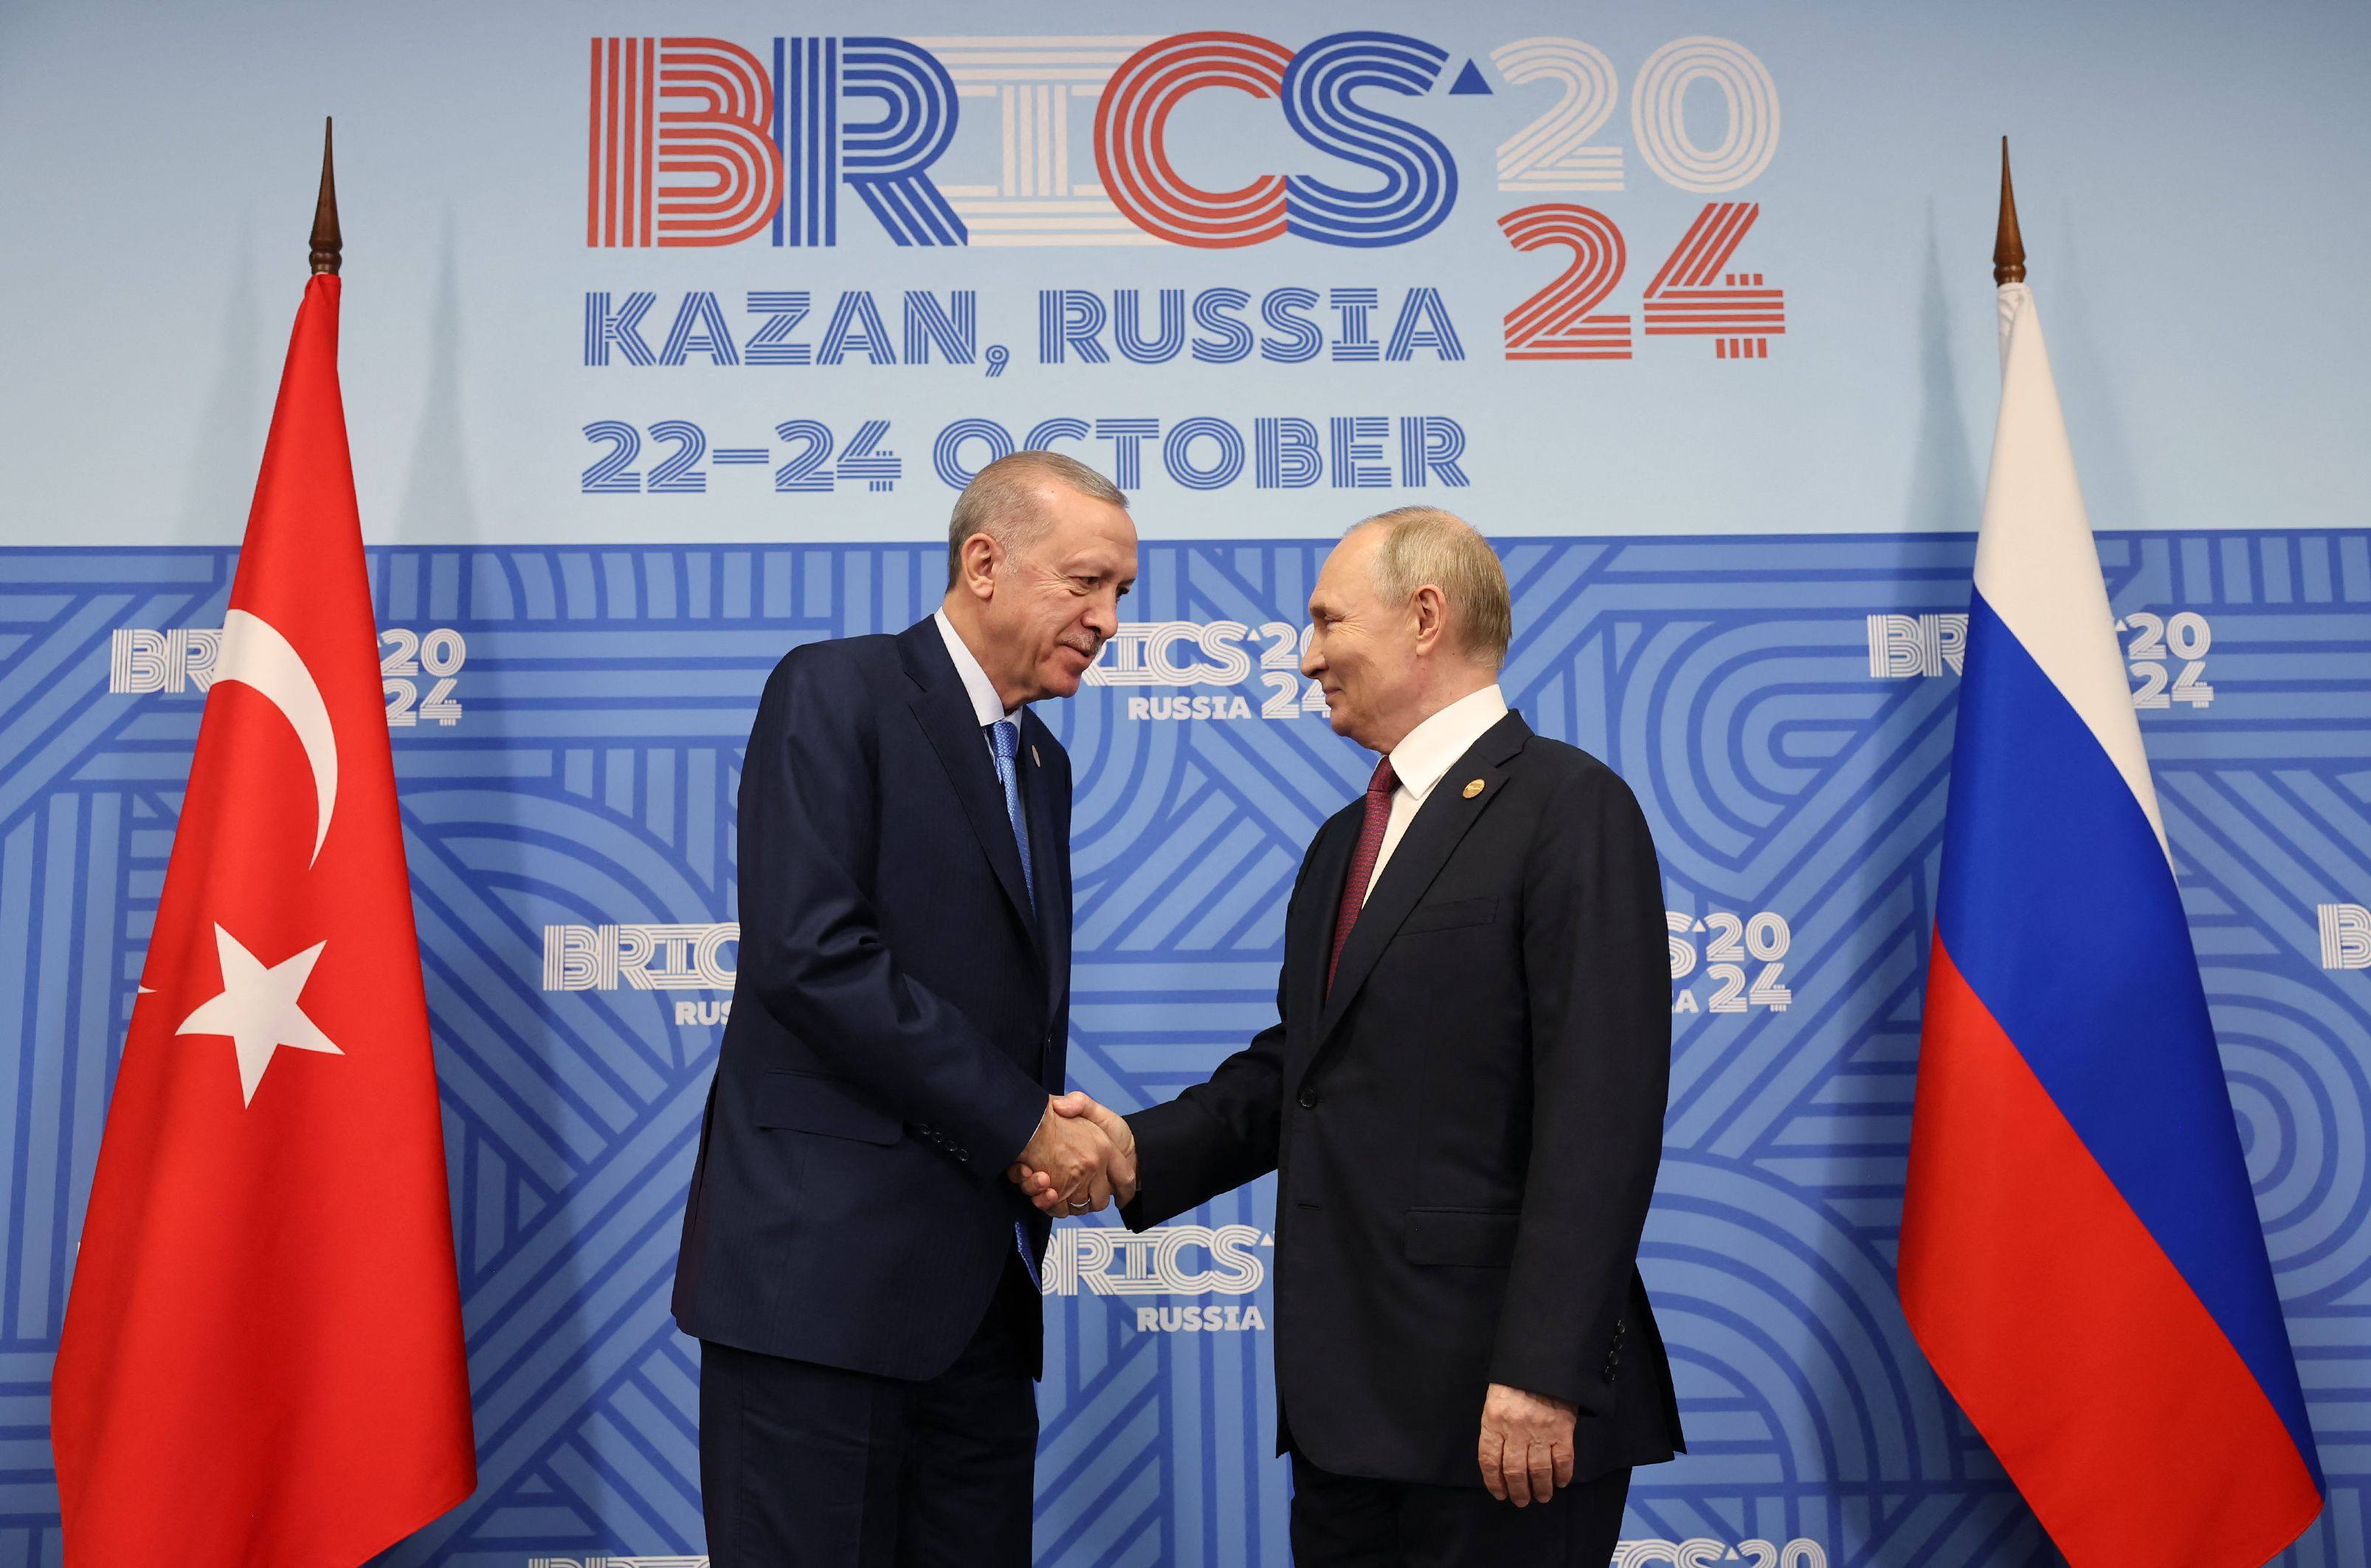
x=1004, y=740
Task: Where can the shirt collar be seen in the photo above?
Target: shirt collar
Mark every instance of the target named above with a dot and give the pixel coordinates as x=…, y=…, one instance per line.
x=985, y=705
x=1425, y=752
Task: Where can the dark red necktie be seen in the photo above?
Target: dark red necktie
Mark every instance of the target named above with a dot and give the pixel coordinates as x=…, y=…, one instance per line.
x=1363, y=861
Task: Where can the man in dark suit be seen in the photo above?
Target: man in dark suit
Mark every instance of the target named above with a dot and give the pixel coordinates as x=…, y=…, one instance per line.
x=1463, y=1098
x=861, y=1278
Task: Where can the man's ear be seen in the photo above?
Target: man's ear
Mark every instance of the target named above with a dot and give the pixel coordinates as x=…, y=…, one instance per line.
x=980, y=555
x=1431, y=617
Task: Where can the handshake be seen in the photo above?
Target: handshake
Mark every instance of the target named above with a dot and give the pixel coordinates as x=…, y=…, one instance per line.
x=1082, y=1157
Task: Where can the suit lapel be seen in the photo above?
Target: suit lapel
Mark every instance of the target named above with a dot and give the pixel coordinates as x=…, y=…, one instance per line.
x=944, y=711
x=1049, y=854
x=1441, y=824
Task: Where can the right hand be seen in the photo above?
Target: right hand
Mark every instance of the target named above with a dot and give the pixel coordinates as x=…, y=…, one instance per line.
x=1116, y=1179
x=1064, y=1168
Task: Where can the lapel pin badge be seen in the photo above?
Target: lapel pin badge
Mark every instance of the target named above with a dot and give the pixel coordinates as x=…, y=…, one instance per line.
x=1035, y=761
x=1472, y=787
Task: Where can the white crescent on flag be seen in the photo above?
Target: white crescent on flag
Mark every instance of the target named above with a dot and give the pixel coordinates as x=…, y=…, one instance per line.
x=256, y=656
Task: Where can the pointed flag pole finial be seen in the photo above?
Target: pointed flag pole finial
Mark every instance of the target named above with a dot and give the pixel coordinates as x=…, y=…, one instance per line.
x=326, y=241
x=2009, y=245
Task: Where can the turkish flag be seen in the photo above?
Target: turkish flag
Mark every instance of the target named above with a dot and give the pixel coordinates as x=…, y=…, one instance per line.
x=261, y=1362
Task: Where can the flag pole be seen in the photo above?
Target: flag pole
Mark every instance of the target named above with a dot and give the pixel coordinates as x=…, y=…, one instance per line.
x=2009, y=245
x=326, y=242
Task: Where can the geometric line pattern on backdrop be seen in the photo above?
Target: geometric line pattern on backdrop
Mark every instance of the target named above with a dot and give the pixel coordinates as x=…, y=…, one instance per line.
x=1782, y=706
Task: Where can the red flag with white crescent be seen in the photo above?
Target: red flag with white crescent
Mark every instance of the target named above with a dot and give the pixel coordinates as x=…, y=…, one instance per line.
x=261, y=1362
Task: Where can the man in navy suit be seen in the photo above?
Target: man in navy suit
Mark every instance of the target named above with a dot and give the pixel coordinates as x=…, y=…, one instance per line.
x=861, y=1276
x=1461, y=1098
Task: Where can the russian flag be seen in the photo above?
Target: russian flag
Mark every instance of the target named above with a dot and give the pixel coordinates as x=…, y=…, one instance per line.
x=2081, y=1259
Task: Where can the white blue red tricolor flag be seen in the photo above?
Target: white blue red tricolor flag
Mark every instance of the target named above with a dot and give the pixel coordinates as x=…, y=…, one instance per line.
x=2081, y=1258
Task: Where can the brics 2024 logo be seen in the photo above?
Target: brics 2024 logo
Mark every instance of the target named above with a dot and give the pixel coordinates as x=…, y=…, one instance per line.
x=179, y=660
x=702, y=141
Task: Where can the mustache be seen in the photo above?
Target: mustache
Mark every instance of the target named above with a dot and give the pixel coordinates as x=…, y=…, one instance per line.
x=1087, y=642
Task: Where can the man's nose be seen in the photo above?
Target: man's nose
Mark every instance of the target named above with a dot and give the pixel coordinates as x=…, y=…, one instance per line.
x=1103, y=616
x=1313, y=663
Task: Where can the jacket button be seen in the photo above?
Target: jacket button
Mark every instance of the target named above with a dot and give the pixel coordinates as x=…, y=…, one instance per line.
x=1309, y=1100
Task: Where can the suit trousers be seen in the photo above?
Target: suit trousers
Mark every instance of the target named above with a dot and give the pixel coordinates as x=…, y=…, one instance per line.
x=803, y=1466
x=1341, y=1521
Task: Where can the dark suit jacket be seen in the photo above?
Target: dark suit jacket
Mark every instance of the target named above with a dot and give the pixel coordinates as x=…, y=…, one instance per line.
x=1465, y=1129
x=898, y=1017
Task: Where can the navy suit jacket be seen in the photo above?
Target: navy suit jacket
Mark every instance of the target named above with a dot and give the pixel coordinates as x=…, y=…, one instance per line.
x=898, y=1017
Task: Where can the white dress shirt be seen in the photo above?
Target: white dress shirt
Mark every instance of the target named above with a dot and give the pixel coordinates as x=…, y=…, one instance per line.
x=985, y=705
x=1425, y=752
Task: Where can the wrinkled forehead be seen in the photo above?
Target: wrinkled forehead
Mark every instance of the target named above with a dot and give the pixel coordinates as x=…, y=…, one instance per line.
x=1082, y=532
x=1068, y=522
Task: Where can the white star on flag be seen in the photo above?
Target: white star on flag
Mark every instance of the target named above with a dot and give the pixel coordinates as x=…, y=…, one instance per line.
x=257, y=1010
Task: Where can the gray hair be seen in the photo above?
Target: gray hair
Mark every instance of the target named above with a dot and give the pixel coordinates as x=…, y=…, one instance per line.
x=998, y=501
x=1424, y=545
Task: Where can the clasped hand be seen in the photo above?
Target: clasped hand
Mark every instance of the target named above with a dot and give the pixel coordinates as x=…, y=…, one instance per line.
x=1080, y=1158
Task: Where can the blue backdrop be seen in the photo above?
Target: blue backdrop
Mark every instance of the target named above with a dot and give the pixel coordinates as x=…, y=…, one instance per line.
x=1776, y=720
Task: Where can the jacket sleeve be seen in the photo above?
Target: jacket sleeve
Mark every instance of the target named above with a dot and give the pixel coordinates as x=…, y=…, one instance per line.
x=1598, y=969
x=1218, y=1134
x=812, y=949
x=1212, y=1138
